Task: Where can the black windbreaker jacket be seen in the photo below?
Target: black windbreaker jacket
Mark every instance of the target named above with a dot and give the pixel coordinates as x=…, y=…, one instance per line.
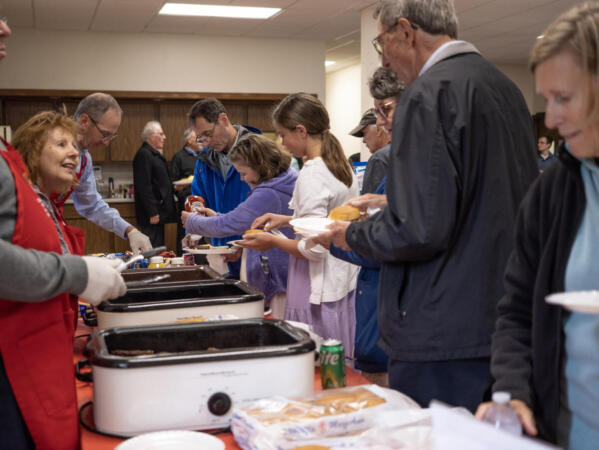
x=462, y=158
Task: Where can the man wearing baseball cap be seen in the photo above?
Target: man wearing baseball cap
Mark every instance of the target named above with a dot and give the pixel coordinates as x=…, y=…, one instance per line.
x=377, y=140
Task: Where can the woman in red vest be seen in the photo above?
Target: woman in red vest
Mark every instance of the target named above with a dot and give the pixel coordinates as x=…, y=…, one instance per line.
x=36, y=338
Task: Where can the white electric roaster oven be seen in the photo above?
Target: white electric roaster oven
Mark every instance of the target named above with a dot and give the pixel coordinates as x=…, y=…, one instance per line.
x=189, y=376
x=181, y=302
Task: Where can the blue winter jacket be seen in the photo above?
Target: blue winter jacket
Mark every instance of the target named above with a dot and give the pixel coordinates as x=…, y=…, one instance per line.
x=267, y=271
x=369, y=356
x=219, y=194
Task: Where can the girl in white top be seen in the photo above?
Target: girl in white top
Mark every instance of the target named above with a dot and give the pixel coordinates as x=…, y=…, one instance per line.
x=320, y=287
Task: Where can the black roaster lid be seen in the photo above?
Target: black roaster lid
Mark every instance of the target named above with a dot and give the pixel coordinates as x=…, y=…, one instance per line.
x=197, y=342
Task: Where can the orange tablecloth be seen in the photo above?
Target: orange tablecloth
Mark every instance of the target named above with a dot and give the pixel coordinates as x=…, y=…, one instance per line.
x=85, y=393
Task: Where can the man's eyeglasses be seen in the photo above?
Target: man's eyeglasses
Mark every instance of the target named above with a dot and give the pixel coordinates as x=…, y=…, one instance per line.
x=377, y=42
x=206, y=135
x=107, y=136
x=384, y=109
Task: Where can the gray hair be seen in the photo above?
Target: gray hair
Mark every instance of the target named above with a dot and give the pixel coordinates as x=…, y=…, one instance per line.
x=187, y=133
x=384, y=84
x=95, y=105
x=433, y=16
x=150, y=128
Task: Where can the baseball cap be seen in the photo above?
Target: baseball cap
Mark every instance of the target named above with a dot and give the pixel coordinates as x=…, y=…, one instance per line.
x=368, y=118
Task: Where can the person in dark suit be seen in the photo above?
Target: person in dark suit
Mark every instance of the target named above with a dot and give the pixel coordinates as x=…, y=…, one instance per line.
x=182, y=166
x=154, y=198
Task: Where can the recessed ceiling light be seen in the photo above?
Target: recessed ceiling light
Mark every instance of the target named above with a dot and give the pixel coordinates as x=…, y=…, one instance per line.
x=540, y=36
x=237, y=12
x=329, y=63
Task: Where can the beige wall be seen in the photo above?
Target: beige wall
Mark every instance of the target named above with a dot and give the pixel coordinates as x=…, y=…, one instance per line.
x=343, y=104
x=40, y=59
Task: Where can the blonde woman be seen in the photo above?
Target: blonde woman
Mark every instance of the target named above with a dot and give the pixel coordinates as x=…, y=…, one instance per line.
x=321, y=288
x=545, y=356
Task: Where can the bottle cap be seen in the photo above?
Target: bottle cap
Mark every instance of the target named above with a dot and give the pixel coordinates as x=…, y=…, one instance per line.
x=501, y=397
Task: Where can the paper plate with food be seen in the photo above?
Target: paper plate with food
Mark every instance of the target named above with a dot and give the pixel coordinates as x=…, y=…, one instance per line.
x=184, y=181
x=310, y=226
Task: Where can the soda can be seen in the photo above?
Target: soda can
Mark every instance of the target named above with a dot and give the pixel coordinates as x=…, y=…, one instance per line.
x=332, y=364
x=188, y=259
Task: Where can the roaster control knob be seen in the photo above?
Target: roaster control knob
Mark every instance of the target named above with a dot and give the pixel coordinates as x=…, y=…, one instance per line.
x=219, y=404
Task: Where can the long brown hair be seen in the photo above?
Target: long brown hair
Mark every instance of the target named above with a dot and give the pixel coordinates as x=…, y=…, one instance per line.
x=261, y=155
x=306, y=110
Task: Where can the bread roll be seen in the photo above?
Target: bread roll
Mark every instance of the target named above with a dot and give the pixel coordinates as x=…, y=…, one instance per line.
x=345, y=212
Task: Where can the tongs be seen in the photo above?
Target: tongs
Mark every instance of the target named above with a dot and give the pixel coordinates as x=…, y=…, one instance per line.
x=143, y=255
x=142, y=283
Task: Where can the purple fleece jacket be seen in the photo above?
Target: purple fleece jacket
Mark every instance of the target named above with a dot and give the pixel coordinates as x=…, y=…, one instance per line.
x=269, y=196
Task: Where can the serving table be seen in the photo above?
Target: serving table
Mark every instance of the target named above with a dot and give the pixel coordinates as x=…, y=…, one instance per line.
x=85, y=394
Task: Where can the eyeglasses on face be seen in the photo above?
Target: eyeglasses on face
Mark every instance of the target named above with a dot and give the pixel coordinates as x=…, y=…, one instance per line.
x=206, y=135
x=377, y=42
x=384, y=109
x=107, y=136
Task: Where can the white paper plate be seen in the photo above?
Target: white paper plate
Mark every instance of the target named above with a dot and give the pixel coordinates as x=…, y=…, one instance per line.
x=210, y=251
x=235, y=244
x=182, y=182
x=311, y=225
x=577, y=301
x=172, y=440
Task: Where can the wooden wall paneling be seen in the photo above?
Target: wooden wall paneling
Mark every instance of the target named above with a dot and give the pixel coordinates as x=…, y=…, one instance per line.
x=237, y=112
x=135, y=115
x=97, y=240
x=260, y=115
x=18, y=111
x=170, y=236
x=173, y=117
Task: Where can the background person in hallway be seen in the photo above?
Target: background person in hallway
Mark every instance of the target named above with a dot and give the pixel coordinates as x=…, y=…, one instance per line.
x=544, y=156
x=99, y=117
x=154, y=198
x=462, y=157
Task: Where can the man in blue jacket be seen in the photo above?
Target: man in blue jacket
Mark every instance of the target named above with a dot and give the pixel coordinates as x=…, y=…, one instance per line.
x=215, y=178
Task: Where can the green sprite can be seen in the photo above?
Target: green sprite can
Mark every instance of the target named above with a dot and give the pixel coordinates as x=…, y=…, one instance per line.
x=332, y=364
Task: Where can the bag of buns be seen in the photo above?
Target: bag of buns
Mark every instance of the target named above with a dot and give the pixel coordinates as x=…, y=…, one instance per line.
x=333, y=418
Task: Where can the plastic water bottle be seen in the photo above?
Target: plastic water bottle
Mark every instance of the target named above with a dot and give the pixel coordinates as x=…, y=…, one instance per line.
x=502, y=416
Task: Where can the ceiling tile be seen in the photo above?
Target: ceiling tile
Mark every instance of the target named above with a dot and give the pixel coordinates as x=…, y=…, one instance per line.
x=64, y=14
x=18, y=12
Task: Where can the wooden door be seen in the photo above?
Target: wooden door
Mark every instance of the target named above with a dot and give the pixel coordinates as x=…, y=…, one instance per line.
x=135, y=115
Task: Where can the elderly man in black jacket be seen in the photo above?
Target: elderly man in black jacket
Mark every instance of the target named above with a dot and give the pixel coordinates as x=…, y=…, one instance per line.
x=154, y=199
x=462, y=157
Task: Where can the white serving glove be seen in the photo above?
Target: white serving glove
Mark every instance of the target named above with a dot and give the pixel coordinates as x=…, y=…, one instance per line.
x=139, y=241
x=190, y=240
x=103, y=280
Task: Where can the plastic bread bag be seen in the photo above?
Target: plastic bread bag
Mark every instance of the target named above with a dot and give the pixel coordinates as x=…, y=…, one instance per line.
x=334, y=418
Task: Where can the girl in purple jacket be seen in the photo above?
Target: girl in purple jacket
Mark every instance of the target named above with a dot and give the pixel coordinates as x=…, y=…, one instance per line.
x=265, y=167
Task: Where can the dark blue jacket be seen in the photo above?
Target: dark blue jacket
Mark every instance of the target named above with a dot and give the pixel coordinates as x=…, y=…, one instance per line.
x=369, y=356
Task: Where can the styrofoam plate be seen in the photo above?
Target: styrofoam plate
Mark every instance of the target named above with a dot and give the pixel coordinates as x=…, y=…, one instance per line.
x=577, y=301
x=172, y=440
x=311, y=225
x=210, y=251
